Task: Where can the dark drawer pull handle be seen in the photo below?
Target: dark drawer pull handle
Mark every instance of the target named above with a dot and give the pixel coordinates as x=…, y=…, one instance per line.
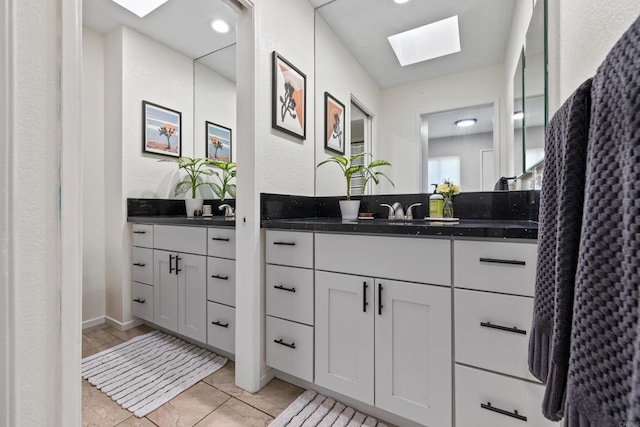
x=502, y=261
x=284, y=243
x=141, y=301
x=177, y=269
x=284, y=289
x=217, y=276
x=380, y=299
x=513, y=414
x=170, y=264
x=139, y=264
x=223, y=325
x=292, y=345
x=220, y=239
x=140, y=232
x=364, y=297
x=503, y=328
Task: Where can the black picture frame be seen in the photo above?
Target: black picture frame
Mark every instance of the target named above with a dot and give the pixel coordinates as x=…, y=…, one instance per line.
x=222, y=132
x=158, y=122
x=334, y=124
x=289, y=98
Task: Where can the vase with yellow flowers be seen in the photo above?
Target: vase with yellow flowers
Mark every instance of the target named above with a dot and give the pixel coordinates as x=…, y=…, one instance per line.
x=448, y=189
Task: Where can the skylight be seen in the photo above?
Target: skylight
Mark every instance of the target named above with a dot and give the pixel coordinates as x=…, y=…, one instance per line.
x=140, y=7
x=427, y=42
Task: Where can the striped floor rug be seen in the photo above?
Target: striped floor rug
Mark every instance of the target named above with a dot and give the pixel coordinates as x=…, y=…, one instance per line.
x=147, y=371
x=311, y=409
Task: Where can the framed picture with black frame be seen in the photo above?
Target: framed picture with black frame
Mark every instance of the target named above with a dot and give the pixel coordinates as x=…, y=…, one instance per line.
x=334, y=119
x=161, y=130
x=218, y=143
x=289, y=98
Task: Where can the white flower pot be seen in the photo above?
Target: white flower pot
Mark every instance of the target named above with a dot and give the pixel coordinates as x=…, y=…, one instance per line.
x=193, y=205
x=349, y=209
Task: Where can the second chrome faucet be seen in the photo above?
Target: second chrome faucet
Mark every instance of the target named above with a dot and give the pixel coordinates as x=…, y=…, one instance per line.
x=396, y=211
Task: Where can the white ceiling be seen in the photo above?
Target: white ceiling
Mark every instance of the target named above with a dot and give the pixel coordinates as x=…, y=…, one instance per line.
x=443, y=124
x=364, y=25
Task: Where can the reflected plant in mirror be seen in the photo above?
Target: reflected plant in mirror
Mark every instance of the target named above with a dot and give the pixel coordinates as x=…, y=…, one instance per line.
x=225, y=176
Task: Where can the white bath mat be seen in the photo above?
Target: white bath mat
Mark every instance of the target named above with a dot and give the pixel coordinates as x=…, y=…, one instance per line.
x=311, y=409
x=147, y=371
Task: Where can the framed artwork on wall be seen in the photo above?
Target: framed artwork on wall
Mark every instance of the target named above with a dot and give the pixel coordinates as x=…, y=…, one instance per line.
x=218, y=142
x=161, y=130
x=289, y=98
x=334, y=117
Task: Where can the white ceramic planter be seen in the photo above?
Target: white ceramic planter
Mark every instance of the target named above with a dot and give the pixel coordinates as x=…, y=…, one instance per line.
x=193, y=205
x=349, y=208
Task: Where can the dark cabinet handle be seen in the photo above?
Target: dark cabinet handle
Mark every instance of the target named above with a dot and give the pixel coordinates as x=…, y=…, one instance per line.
x=140, y=232
x=284, y=243
x=284, y=289
x=281, y=342
x=177, y=269
x=139, y=264
x=503, y=328
x=364, y=297
x=380, y=299
x=217, y=276
x=502, y=261
x=223, y=325
x=513, y=414
x=170, y=263
x=141, y=301
x=220, y=239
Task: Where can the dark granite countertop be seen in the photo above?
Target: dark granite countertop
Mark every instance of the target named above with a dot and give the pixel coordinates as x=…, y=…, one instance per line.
x=212, y=221
x=511, y=229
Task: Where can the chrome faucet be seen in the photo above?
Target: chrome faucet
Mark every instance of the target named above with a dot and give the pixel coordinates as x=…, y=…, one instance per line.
x=409, y=214
x=395, y=211
x=228, y=210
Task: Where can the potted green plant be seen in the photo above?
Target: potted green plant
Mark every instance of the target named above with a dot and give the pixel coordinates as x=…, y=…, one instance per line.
x=228, y=172
x=349, y=208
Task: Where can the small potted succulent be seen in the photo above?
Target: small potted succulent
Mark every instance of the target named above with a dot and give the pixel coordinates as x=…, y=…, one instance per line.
x=349, y=208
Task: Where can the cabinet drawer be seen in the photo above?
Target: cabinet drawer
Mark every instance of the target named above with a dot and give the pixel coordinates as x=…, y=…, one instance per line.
x=413, y=259
x=290, y=293
x=221, y=242
x=484, y=331
x=142, y=301
x=475, y=389
x=496, y=266
x=290, y=248
x=221, y=281
x=221, y=327
x=190, y=240
x=290, y=348
x=142, y=235
x=142, y=265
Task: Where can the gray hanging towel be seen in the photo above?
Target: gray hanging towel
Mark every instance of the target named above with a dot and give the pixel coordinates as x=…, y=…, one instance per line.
x=561, y=203
x=602, y=383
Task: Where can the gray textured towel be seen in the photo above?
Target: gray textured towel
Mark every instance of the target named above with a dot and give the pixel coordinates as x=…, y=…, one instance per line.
x=561, y=203
x=602, y=383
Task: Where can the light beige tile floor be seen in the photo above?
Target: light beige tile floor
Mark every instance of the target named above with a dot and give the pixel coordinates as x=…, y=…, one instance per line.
x=213, y=402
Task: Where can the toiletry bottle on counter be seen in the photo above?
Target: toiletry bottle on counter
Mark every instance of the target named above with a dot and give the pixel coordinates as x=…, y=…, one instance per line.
x=436, y=204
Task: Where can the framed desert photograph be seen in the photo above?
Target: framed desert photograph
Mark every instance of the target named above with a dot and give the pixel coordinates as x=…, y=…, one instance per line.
x=334, y=117
x=162, y=130
x=218, y=142
x=289, y=103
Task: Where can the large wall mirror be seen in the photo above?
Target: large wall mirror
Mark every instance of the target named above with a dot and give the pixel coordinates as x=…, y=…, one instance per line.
x=417, y=107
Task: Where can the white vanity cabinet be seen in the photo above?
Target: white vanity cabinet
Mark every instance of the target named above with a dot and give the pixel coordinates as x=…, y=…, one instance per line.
x=142, y=271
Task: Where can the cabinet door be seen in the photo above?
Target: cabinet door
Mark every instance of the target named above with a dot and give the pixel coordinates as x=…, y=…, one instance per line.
x=165, y=290
x=344, y=334
x=192, y=296
x=413, y=351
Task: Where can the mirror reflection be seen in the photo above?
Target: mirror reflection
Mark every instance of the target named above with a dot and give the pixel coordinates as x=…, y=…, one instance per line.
x=355, y=61
x=518, y=117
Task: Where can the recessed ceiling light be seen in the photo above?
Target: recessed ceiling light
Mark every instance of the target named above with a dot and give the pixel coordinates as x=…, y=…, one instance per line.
x=140, y=7
x=427, y=42
x=219, y=25
x=518, y=115
x=401, y=1
x=463, y=123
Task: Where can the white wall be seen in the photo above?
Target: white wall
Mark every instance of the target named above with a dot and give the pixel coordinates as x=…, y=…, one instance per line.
x=286, y=163
x=93, y=206
x=215, y=101
x=338, y=73
x=399, y=136
x=468, y=147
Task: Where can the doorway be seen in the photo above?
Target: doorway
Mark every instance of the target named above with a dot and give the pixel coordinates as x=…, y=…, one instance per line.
x=360, y=142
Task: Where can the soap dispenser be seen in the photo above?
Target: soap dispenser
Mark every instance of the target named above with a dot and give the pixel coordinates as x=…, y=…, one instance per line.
x=436, y=204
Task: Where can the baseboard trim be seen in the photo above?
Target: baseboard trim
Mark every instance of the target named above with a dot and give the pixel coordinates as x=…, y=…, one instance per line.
x=268, y=376
x=86, y=324
x=120, y=325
